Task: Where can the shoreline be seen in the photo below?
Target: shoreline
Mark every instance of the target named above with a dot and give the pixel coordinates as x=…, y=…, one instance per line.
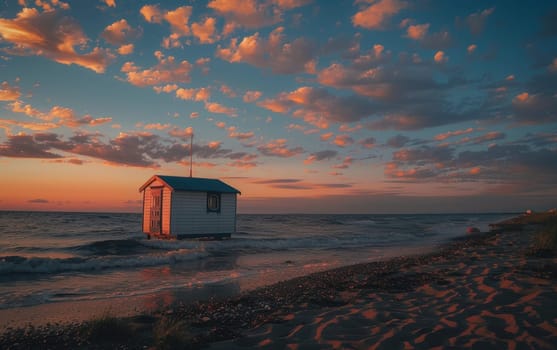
x=340, y=307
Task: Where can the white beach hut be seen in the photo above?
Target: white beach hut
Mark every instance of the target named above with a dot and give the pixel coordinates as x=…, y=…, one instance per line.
x=188, y=207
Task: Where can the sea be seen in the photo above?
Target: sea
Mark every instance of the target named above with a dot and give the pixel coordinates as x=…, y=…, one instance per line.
x=53, y=257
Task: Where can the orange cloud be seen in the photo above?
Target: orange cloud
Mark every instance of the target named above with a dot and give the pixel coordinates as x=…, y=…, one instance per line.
x=471, y=48
x=9, y=93
x=168, y=88
x=475, y=171
x=182, y=133
x=110, y=3
x=446, y=135
x=376, y=15
x=6, y=124
x=440, y=57
x=225, y=89
x=326, y=137
x=274, y=53
x=156, y=126
x=60, y=116
x=202, y=94
x=274, y=105
x=214, y=107
x=151, y=13
x=178, y=19
x=205, y=31
x=53, y=36
x=126, y=49
x=239, y=135
x=418, y=31
x=119, y=33
x=47, y=5
x=522, y=98
x=279, y=148
x=166, y=71
x=343, y=140
x=246, y=13
x=252, y=96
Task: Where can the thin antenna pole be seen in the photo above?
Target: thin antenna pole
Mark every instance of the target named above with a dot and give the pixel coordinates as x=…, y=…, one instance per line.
x=191, y=155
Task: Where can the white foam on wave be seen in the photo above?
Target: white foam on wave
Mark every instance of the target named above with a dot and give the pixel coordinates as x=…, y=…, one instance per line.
x=49, y=265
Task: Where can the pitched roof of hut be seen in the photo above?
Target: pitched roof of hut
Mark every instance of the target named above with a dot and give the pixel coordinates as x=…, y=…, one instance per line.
x=193, y=184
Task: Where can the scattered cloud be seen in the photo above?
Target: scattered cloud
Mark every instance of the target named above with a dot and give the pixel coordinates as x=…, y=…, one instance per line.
x=417, y=31
x=343, y=140
x=178, y=19
x=397, y=141
x=279, y=148
x=126, y=49
x=446, y=135
x=376, y=14
x=476, y=21
x=167, y=70
x=368, y=143
x=120, y=33
x=151, y=13
x=8, y=92
x=252, y=96
x=140, y=149
x=318, y=107
x=471, y=48
x=214, y=107
x=227, y=90
x=206, y=31
x=52, y=35
x=440, y=57
x=57, y=116
x=321, y=155
x=201, y=94
x=273, y=53
x=246, y=13
x=233, y=133
x=346, y=163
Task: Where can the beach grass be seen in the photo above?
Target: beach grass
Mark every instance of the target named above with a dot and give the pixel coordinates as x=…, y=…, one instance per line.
x=545, y=241
x=171, y=333
x=107, y=328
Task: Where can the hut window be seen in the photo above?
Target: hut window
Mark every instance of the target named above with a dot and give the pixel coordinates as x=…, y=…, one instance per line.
x=213, y=202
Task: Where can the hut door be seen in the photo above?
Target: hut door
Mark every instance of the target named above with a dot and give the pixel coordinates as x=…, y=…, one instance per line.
x=156, y=210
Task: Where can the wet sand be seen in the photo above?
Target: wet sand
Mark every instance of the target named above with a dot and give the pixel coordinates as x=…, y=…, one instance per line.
x=484, y=291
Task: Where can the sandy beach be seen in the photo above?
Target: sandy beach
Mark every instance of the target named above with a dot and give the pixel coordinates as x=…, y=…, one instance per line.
x=487, y=290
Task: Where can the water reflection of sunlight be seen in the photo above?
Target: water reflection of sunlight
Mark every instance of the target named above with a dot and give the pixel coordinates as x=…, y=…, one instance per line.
x=158, y=300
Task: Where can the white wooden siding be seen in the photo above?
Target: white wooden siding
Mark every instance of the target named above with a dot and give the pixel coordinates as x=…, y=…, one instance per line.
x=189, y=214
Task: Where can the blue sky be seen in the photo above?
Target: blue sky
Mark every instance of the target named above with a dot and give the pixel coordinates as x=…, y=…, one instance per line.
x=311, y=106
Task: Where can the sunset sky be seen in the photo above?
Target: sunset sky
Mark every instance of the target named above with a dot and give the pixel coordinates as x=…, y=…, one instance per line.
x=366, y=106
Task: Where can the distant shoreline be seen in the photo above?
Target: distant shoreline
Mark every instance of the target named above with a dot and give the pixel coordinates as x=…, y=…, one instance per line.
x=512, y=213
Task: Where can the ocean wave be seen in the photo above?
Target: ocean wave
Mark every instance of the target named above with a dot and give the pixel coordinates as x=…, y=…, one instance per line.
x=43, y=265
x=112, y=247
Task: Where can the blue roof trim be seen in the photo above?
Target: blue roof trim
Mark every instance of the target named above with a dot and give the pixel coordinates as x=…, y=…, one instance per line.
x=196, y=184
